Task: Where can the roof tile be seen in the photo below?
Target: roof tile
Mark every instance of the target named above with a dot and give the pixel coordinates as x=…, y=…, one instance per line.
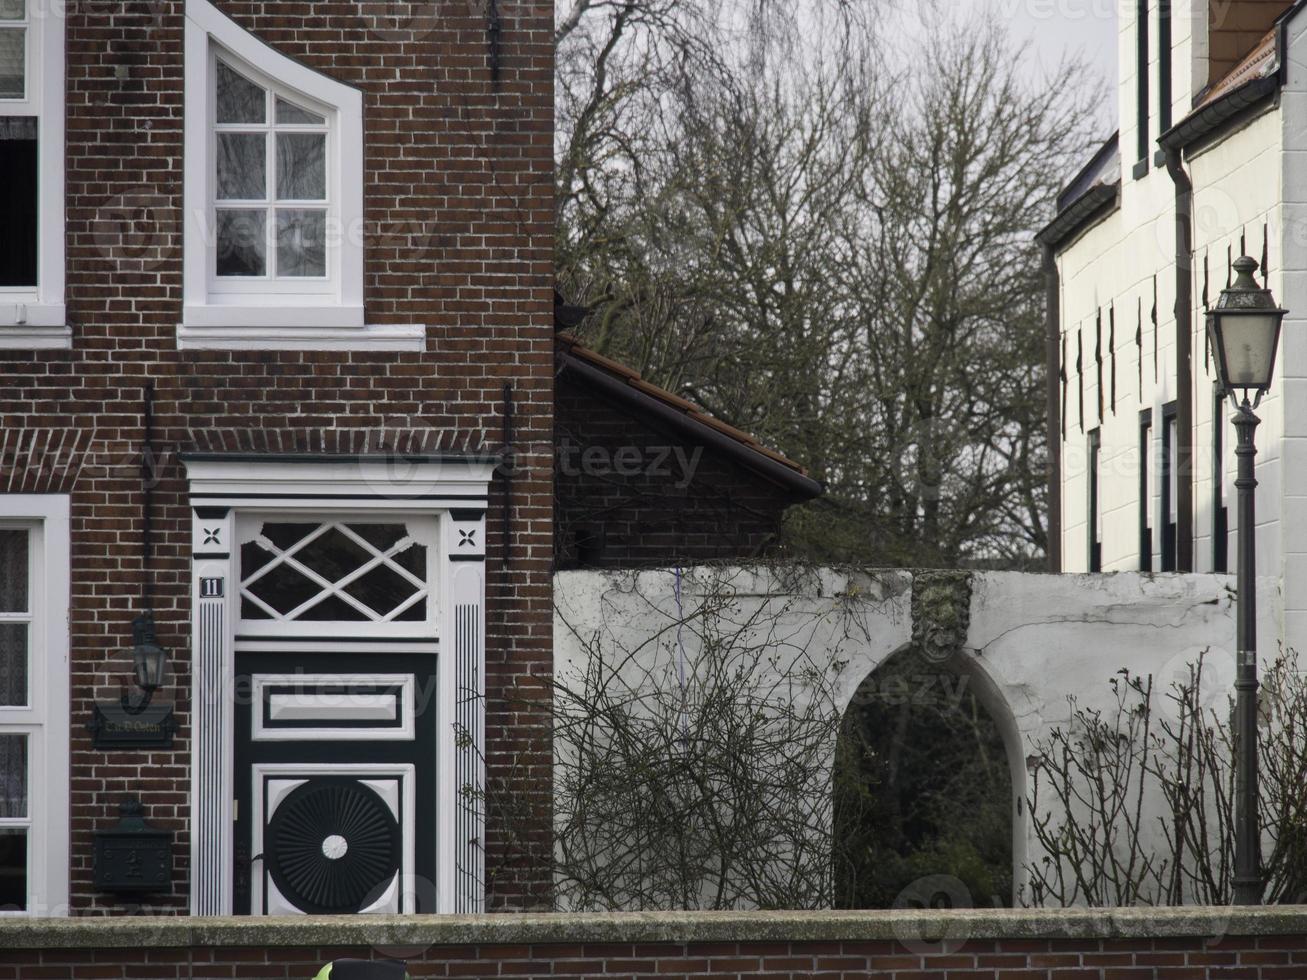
x=570, y=344
x=1257, y=63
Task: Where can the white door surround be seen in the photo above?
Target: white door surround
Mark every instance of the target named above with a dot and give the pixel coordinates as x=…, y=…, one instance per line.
x=447, y=494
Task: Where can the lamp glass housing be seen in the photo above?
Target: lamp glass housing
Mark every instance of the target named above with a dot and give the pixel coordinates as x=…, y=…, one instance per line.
x=1244, y=330
x=149, y=659
x=1245, y=343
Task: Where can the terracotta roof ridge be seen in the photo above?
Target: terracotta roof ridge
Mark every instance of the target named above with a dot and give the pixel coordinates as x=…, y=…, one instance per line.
x=1248, y=67
x=633, y=380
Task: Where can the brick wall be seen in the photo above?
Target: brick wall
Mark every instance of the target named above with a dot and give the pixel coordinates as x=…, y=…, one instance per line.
x=1246, y=958
x=1270, y=945
x=629, y=494
x=459, y=235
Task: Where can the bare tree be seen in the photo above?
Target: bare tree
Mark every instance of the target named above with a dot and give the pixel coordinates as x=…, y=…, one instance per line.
x=828, y=252
x=945, y=279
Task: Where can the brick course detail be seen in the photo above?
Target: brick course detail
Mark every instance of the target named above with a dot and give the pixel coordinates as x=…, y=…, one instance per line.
x=1253, y=958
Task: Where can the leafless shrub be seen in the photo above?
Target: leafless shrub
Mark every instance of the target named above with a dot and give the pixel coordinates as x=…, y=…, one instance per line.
x=693, y=764
x=1135, y=806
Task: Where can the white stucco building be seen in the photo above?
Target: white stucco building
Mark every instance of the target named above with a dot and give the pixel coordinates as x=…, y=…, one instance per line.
x=1210, y=162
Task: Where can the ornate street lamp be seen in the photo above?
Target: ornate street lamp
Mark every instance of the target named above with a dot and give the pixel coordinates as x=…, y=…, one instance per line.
x=1244, y=330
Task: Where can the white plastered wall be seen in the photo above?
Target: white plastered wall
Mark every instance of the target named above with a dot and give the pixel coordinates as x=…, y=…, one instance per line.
x=1290, y=471
x=1237, y=194
x=1121, y=268
x=1236, y=209
x=1031, y=641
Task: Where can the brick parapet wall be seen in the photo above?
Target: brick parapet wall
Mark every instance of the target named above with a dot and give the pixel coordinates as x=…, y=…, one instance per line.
x=1156, y=944
x=458, y=236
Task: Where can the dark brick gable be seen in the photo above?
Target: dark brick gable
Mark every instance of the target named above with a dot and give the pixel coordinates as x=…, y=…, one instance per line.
x=631, y=492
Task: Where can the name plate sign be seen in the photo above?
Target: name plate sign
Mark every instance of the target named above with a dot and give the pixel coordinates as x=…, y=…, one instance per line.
x=113, y=726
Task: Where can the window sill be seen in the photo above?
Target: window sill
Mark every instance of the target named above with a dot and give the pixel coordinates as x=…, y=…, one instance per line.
x=20, y=312
x=272, y=316
x=239, y=336
x=28, y=336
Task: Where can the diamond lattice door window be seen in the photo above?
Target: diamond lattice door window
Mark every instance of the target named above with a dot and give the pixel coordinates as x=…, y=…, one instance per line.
x=337, y=572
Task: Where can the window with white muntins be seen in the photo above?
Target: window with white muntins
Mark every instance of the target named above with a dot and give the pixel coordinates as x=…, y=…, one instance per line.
x=34, y=705
x=32, y=175
x=338, y=577
x=271, y=206
x=274, y=200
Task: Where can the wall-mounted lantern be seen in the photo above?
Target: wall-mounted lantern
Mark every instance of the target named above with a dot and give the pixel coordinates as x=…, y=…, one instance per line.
x=149, y=659
x=136, y=723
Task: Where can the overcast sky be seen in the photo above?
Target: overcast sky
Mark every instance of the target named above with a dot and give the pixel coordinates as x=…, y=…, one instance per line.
x=1085, y=27
x=1054, y=28
x=1058, y=27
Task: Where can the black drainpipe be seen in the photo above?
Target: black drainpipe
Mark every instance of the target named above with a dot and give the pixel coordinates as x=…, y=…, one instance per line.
x=494, y=31
x=149, y=476
x=1052, y=369
x=506, y=469
x=1184, y=415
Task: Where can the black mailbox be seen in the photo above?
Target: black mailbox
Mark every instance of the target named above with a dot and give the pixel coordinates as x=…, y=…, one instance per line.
x=133, y=857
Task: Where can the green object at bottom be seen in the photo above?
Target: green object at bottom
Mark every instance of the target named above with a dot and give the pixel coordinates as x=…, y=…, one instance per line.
x=363, y=970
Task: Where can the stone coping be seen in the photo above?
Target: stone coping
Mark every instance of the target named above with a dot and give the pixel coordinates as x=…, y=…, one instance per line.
x=649, y=927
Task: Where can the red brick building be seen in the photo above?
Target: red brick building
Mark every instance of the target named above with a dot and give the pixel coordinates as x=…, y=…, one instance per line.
x=276, y=446
x=275, y=294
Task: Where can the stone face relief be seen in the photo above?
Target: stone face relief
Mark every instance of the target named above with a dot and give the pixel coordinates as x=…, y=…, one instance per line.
x=941, y=613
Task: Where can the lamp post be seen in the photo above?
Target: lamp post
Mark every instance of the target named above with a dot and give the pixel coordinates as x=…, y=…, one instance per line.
x=1244, y=330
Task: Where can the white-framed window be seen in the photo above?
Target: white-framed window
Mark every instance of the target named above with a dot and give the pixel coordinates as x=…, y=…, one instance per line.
x=32, y=311
x=273, y=199
x=359, y=574
x=34, y=775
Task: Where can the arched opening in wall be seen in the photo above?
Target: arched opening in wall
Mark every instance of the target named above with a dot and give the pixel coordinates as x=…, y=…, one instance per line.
x=923, y=788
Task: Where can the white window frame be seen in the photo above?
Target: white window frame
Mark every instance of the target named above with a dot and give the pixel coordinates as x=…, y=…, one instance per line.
x=286, y=315
x=425, y=529
x=254, y=290
x=45, y=719
x=32, y=319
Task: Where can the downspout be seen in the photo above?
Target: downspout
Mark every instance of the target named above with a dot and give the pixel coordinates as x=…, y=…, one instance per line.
x=1052, y=370
x=1184, y=414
